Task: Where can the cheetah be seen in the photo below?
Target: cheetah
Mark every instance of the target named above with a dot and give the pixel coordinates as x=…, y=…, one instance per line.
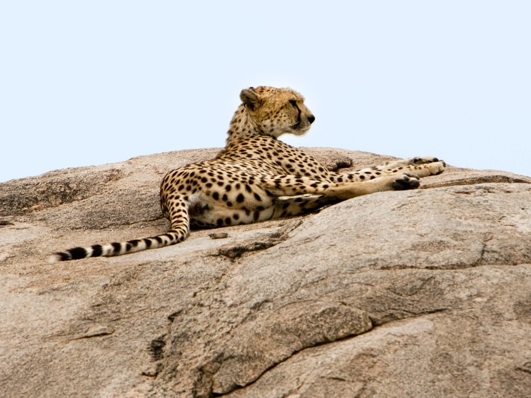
x=256, y=177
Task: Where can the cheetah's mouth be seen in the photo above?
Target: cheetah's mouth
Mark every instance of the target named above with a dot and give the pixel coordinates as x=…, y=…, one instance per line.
x=300, y=127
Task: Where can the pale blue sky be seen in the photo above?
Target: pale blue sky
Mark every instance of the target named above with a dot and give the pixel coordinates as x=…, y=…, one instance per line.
x=94, y=82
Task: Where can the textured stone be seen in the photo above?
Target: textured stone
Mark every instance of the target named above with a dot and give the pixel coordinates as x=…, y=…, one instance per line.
x=423, y=293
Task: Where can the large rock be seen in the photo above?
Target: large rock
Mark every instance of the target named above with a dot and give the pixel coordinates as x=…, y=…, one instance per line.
x=423, y=293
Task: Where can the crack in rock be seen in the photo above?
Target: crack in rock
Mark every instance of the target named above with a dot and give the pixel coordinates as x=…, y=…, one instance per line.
x=96, y=331
x=236, y=251
x=262, y=344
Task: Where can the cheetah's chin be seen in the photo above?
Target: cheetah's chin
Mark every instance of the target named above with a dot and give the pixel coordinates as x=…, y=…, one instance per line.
x=299, y=129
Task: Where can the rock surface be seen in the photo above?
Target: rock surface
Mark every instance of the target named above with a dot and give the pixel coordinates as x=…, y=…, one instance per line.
x=423, y=293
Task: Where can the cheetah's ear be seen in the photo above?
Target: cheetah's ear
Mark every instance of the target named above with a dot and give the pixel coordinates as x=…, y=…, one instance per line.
x=250, y=98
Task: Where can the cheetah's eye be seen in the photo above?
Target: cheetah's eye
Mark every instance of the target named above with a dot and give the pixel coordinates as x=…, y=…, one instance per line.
x=293, y=102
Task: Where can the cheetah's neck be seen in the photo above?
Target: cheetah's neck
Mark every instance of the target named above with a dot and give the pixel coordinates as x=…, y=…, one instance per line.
x=241, y=126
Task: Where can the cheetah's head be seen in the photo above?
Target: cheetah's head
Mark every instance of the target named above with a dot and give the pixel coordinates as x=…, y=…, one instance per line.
x=277, y=111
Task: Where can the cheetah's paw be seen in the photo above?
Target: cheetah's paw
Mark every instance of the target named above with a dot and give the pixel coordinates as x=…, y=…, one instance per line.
x=423, y=167
x=405, y=181
x=424, y=160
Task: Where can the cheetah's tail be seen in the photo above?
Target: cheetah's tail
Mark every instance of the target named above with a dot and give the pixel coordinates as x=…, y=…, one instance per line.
x=118, y=248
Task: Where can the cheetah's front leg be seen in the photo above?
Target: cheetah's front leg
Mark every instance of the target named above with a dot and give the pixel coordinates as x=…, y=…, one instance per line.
x=399, y=182
x=293, y=186
x=418, y=166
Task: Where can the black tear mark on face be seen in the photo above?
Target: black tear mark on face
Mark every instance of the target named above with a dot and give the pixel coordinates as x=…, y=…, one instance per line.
x=293, y=103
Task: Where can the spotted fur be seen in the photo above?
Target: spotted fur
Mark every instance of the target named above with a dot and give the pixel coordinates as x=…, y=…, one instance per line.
x=256, y=177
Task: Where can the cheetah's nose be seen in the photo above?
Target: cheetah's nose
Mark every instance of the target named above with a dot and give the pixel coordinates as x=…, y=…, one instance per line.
x=311, y=119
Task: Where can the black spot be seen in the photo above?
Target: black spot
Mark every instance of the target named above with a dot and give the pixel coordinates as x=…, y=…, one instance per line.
x=236, y=216
x=240, y=198
x=117, y=246
x=228, y=188
x=77, y=253
x=257, y=197
x=256, y=215
x=219, y=222
x=96, y=250
x=215, y=195
x=227, y=221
